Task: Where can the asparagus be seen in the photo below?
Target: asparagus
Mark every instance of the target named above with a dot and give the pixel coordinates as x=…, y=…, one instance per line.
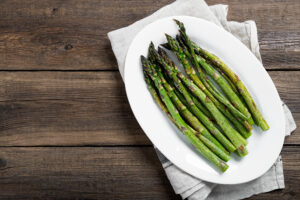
x=179, y=122
x=202, y=107
x=191, y=100
x=212, y=73
x=193, y=121
x=241, y=125
x=197, y=103
x=207, y=83
x=245, y=133
x=237, y=140
x=196, y=124
x=242, y=128
x=258, y=118
x=154, y=55
x=154, y=94
x=227, y=79
x=234, y=88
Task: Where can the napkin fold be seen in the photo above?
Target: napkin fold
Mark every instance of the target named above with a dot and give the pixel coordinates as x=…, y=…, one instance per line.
x=184, y=184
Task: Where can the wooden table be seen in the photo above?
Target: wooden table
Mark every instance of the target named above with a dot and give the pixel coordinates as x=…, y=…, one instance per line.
x=67, y=131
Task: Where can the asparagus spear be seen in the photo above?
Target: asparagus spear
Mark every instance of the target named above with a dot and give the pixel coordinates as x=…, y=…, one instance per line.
x=237, y=140
x=207, y=83
x=190, y=99
x=193, y=121
x=212, y=73
x=154, y=93
x=197, y=103
x=241, y=125
x=180, y=96
x=227, y=79
x=258, y=118
x=242, y=128
x=154, y=55
x=196, y=124
x=234, y=88
x=179, y=122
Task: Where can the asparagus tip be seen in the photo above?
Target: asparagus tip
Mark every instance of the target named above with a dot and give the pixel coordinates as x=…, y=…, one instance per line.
x=166, y=45
x=144, y=60
x=181, y=32
x=177, y=22
x=151, y=48
x=167, y=35
x=151, y=45
x=159, y=49
x=180, y=24
x=143, y=57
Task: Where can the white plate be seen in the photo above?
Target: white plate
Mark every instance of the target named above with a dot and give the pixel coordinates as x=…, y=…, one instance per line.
x=263, y=147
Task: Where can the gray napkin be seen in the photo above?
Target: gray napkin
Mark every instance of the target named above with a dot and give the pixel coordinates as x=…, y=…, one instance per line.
x=184, y=184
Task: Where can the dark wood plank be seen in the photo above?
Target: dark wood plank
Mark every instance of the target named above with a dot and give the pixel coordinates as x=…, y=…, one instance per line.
x=66, y=108
x=104, y=173
x=86, y=108
x=82, y=173
x=71, y=34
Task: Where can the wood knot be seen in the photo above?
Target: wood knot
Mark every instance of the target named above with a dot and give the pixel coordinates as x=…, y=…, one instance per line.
x=68, y=47
x=2, y=163
x=54, y=10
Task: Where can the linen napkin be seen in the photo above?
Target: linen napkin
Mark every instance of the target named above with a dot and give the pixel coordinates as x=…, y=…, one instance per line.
x=184, y=184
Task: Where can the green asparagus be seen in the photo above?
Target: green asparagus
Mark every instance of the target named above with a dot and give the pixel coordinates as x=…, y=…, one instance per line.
x=237, y=140
x=192, y=120
x=207, y=83
x=154, y=54
x=258, y=118
x=212, y=73
x=240, y=125
x=179, y=122
x=190, y=71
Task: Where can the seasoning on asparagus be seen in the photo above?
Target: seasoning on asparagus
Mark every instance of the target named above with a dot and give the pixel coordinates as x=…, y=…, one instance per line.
x=178, y=84
x=179, y=122
x=207, y=83
x=258, y=118
x=192, y=120
x=192, y=74
x=237, y=140
x=241, y=125
x=213, y=74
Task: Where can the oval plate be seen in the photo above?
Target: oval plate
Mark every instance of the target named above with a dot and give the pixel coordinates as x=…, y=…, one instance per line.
x=263, y=147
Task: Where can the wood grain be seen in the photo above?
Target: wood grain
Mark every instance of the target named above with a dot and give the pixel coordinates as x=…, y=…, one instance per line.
x=44, y=113
x=87, y=108
x=277, y=25
x=71, y=34
x=104, y=173
x=82, y=173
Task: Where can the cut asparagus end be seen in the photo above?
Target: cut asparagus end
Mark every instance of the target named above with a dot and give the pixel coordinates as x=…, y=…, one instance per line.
x=223, y=166
x=242, y=151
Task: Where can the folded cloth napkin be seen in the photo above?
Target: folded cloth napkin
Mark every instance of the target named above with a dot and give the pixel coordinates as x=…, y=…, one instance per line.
x=184, y=184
